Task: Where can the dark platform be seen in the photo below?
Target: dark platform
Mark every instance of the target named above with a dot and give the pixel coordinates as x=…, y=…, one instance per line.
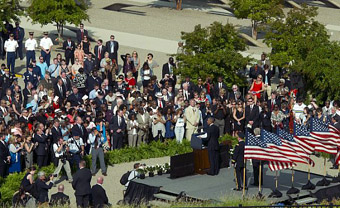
x=205, y=187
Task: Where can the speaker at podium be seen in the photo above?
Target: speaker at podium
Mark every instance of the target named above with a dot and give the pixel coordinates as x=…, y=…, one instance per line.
x=201, y=156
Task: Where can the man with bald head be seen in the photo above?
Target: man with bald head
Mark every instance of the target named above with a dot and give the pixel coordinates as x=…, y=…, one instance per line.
x=59, y=198
x=99, y=195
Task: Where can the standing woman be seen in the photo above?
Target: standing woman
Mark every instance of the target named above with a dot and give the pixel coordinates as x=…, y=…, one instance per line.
x=86, y=46
x=128, y=65
x=80, y=81
x=136, y=63
x=17, y=105
x=14, y=150
x=29, y=147
x=265, y=118
x=239, y=116
x=257, y=88
x=152, y=63
x=277, y=118
x=79, y=54
x=145, y=74
x=65, y=68
x=110, y=71
x=179, y=126
x=103, y=63
x=169, y=125
x=132, y=129
x=158, y=127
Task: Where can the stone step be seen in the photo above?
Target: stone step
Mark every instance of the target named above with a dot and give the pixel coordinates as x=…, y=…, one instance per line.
x=165, y=197
x=307, y=200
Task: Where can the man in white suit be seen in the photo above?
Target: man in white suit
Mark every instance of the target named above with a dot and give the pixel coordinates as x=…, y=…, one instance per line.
x=192, y=119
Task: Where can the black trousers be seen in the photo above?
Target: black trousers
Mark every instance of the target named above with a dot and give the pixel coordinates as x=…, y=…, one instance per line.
x=239, y=176
x=256, y=170
x=68, y=58
x=42, y=160
x=117, y=140
x=214, y=162
x=82, y=200
x=3, y=170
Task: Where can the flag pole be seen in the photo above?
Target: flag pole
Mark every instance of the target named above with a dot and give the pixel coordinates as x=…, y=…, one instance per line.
x=309, y=185
x=275, y=193
x=260, y=178
x=293, y=190
x=244, y=178
x=324, y=181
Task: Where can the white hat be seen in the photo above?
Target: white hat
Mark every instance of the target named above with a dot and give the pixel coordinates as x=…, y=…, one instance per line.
x=57, y=111
x=56, y=98
x=85, y=97
x=158, y=94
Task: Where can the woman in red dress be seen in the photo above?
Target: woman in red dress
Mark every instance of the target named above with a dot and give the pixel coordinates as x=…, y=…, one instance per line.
x=256, y=88
x=130, y=80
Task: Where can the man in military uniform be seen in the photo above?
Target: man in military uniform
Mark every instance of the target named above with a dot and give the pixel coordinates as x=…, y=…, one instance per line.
x=6, y=81
x=31, y=77
x=238, y=161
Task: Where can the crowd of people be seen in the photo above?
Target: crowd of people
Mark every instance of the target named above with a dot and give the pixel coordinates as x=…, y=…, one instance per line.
x=81, y=102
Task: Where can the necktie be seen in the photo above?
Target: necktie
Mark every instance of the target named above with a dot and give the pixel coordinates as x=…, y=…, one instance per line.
x=99, y=52
x=61, y=90
x=82, y=34
x=96, y=143
x=10, y=99
x=160, y=104
x=81, y=129
x=17, y=34
x=111, y=47
x=118, y=120
x=194, y=110
x=272, y=105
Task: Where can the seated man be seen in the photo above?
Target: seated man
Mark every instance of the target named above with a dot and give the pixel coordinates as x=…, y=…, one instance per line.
x=59, y=198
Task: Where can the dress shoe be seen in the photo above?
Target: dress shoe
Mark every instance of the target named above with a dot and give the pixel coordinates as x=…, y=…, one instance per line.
x=93, y=174
x=237, y=189
x=334, y=167
x=104, y=174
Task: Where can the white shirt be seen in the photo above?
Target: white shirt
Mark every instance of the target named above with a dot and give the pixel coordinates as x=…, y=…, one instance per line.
x=11, y=45
x=31, y=44
x=134, y=123
x=55, y=148
x=298, y=110
x=46, y=43
x=73, y=146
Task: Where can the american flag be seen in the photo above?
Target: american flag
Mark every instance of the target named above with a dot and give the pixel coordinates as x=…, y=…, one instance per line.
x=309, y=143
x=324, y=132
x=288, y=140
x=257, y=149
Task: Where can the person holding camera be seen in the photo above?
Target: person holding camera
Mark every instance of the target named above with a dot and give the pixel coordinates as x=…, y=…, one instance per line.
x=42, y=187
x=60, y=158
x=96, y=141
x=76, y=146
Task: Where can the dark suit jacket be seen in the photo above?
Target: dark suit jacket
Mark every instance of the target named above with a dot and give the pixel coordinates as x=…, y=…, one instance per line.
x=91, y=81
x=269, y=104
x=99, y=196
x=213, y=133
x=269, y=76
x=113, y=55
x=74, y=100
x=238, y=156
x=21, y=34
x=76, y=130
x=41, y=149
x=166, y=70
x=96, y=52
x=56, y=134
x=99, y=102
x=82, y=182
x=254, y=116
x=42, y=189
x=255, y=71
x=62, y=96
x=217, y=89
x=89, y=66
x=68, y=85
x=79, y=38
x=4, y=153
x=69, y=52
x=59, y=199
x=114, y=124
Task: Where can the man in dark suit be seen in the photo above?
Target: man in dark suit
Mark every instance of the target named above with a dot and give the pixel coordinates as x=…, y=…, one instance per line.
x=79, y=129
x=112, y=47
x=255, y=71
x=66, y=81
x=99, y=195
x=252, y=113
x=92, y=80
x=4, y=156
x=42, y=149
x=60, y=90
x=82, y=185
x=69, y=46
x=168, y=68
x=238, y=161
x=56, y=131
x=117, y=127
x=200, y=86
x=213, y=133
x=27, y=92
x=273, y=101
x=19, y=34
x=42, y=187
x=75, y=98
x=81, y=32
x=219, y=85
x=99, y=51
x=99, y=100
x=89, y=65
x=59, y=198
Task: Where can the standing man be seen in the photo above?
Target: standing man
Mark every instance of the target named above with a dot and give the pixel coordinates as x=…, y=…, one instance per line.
x=59, y=149
x=112, y=47
x=19, y=34
x=11, y=46
x=252, y=113
x=99, y=195
x=82, y=185
x=96, y=141
x=46, y=47
x=81, y=32
x=77, y=150
x=117, y=127
x=42, y=148
x=42, y=66
x=143, y=119
x=99, y=51
x=5, y=157
x=69, y=47
x=213, y=146
x=192, y=116
x=238, y=161
x=30, y=46
x=31, y=77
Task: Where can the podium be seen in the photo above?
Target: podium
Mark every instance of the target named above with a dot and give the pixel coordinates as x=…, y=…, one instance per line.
x=201, y=156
